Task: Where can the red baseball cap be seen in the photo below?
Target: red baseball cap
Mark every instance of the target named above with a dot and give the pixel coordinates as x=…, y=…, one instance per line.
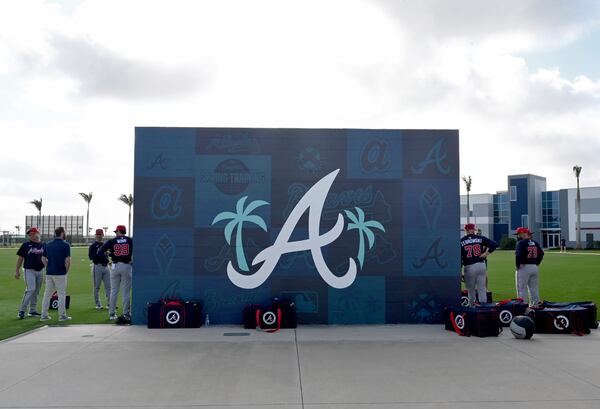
x=33, y=230
x=523, y=230
x=469, y=226
x=99, y=232
x=120, y=228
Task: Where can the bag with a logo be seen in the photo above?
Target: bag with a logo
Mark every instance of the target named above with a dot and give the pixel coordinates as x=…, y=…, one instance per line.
x=269, y=319
x=571, y=319
x=54, y=301
x=174, y=314
x=591, y=308
x=281, y=313
x=464, y=298
x=510, y=308
x=249, y=316
x=288, y=312
x=476, y=321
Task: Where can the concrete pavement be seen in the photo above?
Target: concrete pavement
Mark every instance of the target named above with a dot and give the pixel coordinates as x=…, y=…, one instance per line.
x=392, y=366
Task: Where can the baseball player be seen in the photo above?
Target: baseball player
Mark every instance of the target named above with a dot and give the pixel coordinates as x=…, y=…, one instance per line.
x=100, y=271
x=528, y=256
x=474, y=249
x=57, y=259
x=120, y=249
x=29, y=256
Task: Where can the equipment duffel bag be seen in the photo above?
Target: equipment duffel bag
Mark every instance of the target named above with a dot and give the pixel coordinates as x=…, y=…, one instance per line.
x=174, y=314
x=280, y=314
x=591, y=308
x=464, y=298
x=570, y=319
x=510, y=308
x=477, y=321
x=54, y=301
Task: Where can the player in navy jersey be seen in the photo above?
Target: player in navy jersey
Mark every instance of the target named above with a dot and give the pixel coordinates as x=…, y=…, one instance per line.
x=120, y=250
x=29, y=256
x=528, y=256
x=474, y=249
x=100, y=270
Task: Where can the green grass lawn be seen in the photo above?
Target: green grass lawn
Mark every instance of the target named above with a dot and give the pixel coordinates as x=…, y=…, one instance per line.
x=79, y=287
x=564, y=277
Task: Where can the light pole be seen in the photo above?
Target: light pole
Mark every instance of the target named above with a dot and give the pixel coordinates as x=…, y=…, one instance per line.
x=577, y=172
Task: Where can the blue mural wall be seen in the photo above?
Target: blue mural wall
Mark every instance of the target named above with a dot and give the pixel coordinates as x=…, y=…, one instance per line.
x=354, y=225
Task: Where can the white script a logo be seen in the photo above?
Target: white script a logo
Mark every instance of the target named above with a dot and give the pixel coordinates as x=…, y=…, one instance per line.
x=313, y=201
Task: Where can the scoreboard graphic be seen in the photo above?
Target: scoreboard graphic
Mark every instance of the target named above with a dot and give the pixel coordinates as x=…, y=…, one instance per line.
x=356, y=226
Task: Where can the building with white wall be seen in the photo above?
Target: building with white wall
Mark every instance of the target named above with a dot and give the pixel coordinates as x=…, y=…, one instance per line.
x=550, y=214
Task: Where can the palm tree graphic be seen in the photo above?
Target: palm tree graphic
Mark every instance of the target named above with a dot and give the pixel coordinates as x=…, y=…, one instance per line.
x=238, y=219
x=364, y=229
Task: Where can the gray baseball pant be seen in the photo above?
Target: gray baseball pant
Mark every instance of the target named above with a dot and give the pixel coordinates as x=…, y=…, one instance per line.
x=58, y=283
x=475, y=281
x=33, y=284
x=527, y=281
x=101, y=274
x=120, y=277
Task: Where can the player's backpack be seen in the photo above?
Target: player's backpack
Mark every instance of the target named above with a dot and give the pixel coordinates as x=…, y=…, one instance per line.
x=169, y=313
x=592, y=310
x=464, y=298
x=477, y=321
x=570, y=319
x=54, y=301
x=510, y=308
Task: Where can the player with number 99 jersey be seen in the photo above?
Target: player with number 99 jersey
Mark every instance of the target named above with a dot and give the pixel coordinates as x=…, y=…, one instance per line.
x=120, y=250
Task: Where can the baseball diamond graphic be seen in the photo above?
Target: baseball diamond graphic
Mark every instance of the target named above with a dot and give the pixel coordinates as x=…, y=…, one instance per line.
x=356, y=226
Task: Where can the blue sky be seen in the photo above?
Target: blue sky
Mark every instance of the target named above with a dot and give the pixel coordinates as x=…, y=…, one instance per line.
x=581, y=57
x=520, y=79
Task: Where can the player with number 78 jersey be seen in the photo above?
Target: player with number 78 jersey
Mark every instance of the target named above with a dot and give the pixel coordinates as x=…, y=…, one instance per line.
x=474, y=249
x=120, y=250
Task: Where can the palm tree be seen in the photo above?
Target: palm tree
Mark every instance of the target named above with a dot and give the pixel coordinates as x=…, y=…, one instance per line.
x=467, y=181
x=238, y=219
x=128, y=200
x=18, y=230
x=577, y=171
x=38, y=206
x=87, y=197
x=363, y=227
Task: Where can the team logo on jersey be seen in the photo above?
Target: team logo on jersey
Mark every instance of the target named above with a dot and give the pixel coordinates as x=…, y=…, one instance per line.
x=172, y=317
x=313, y=202
x=506, y=317
x=561, y=322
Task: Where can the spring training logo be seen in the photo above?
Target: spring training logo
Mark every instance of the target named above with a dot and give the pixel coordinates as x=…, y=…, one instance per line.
x=313, y=201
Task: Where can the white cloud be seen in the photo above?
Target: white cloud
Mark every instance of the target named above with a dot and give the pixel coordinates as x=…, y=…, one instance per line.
x=79, y=82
